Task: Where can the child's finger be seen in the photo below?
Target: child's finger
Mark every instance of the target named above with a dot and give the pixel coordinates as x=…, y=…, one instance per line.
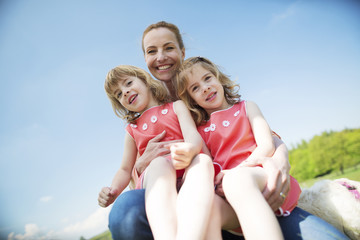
x=114, y=192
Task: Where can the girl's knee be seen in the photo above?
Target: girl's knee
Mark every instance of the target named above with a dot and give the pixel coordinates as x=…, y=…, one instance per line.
x=244, y=177
x=160, y=163
x=159, y=168
x=203, y=161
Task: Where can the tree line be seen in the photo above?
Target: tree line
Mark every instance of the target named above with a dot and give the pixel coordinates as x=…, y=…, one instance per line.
x=325, y=153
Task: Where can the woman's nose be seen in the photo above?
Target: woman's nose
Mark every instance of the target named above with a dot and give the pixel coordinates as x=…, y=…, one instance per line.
x=161, y=56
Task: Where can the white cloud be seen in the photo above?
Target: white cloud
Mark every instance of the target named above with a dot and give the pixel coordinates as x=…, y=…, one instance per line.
x=46, y=199
x=32, y=231
x=277, y=18
x=93, y=225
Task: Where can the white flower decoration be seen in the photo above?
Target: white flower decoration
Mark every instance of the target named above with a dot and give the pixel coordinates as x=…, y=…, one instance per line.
x=145, y=126
x=212, y=127
x=164, y=111
x=225, y=123
x=153, y=119
x=206, y=129
x=237, y=113
x=133, y=125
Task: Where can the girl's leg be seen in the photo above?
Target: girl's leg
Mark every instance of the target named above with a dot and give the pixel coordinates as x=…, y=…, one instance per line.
x=222, y=217
x=195, y=199
x=243, y=190
x=160, y=198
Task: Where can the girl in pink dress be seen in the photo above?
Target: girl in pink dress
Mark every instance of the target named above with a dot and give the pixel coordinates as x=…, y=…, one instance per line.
x=143, y=102
x=238, y=138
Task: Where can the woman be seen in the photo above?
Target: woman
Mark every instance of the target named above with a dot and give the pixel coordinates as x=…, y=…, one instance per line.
x=164, y=52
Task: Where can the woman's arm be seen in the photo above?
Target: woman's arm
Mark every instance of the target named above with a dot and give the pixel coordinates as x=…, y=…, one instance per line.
x=277, y=168
x=153, y=149
x=276, y=163
x=122, y=178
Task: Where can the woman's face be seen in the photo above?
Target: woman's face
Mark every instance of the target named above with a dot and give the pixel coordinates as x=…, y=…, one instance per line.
x=163, y=55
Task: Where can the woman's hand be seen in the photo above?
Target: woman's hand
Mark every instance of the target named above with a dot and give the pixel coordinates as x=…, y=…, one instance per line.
x=278, y=183
x=218, y=184
x=153, y=149
x=278, y=180
x=277, y=168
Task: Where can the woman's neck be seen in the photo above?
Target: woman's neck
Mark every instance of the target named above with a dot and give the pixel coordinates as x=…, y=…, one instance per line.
x=172, y=91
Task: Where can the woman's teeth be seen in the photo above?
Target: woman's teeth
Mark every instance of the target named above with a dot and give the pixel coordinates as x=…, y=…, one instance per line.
x=164, y=67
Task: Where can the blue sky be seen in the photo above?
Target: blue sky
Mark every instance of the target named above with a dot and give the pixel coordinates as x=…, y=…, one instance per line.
x=60, y=142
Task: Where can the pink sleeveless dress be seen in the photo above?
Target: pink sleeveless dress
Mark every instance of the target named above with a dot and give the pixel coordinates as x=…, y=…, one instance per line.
x=151, y=123
x=230, y=139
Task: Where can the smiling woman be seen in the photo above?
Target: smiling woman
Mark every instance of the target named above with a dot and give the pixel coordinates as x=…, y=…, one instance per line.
x=164, y=53
x=56, y=121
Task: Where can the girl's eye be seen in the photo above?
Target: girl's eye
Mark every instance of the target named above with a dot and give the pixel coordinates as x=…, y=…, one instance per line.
x=169, y=48
x=119, y=95
x=194, y=88
x=129, y=83
x=207, y=78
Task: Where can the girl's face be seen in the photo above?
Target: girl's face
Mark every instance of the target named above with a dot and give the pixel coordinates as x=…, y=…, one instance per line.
x=163, y=55
x=134, y=95
x=205, y=89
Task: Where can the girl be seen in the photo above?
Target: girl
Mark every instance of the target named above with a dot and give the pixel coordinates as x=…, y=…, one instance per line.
x=237, y=136
x=143, y=103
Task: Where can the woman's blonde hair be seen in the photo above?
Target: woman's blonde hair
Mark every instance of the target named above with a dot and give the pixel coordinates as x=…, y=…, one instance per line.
x=230, y=88
x=162, y=24
x=121, y=73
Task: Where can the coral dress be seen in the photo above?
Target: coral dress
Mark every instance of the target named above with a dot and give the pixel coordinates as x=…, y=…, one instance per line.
x=151, y=123
x=230, y=139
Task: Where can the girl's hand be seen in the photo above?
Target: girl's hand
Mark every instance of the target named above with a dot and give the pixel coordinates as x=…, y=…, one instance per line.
x=154, y=149
x=182, y=154
x=278, y=182
x=218, y=184
x=107, y=196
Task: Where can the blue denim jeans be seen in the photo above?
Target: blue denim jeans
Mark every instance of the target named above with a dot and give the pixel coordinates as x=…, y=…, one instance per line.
x=127, y=220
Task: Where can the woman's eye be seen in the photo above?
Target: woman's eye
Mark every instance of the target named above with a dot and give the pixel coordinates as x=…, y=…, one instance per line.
x=169, y=48
x=207, y=78
x=119, y=95
x=150, y=52
x=129, y=83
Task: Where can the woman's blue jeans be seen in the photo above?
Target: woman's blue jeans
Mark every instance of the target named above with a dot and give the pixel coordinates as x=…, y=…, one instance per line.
x=127, y=220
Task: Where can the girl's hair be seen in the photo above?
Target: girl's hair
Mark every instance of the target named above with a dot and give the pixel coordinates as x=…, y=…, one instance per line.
x=230, y=88
x=162, y=24
x=121, y=73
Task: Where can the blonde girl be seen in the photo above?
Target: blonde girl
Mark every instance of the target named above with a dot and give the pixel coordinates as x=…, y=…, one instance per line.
x=237, y=136
x=144, y=103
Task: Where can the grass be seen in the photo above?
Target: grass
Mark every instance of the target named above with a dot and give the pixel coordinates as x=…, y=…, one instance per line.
x=103, y=236
x=350, y=173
